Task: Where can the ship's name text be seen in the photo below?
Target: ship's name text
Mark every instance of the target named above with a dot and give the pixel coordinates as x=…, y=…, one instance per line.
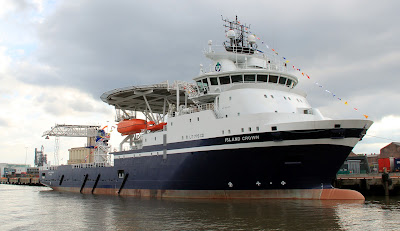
x=241, y=138
x=194, y=136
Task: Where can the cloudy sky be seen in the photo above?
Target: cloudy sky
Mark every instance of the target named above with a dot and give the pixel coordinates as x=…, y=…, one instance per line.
x=58, y=57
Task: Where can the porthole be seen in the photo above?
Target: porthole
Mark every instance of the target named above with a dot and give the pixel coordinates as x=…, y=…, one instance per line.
x=272, y=96
x=242, y=129
x=257, y=128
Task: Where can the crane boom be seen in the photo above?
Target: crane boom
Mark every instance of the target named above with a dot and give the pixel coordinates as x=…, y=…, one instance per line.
x=73, y=130
x=101, y=147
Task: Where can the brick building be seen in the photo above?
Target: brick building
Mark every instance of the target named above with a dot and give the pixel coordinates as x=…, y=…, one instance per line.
x=391, y=150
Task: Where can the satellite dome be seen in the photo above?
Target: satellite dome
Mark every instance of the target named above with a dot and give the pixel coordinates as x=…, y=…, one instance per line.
x=252, y=39
x=231, y=34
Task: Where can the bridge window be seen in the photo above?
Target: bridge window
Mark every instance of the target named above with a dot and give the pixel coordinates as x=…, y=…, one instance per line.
x=237, y=78
x=214, y=81
x=224, y=80
x=200, y=85
x=273, y=79
x=249, y=78
x=205, y=83
x=289, y=82
x=282, y=80
x=262, y=78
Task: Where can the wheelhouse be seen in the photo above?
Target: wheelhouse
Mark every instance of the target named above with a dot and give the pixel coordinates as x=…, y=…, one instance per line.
x=220, y=82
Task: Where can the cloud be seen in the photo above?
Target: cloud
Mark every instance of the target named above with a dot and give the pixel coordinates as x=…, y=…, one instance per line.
x=3, y=123
x=57, y=59
x=381, y=133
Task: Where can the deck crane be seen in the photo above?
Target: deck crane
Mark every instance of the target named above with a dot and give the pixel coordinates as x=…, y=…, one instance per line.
x=90, y=131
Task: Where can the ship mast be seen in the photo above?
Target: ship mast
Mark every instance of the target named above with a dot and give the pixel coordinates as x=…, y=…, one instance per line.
x=241, y=40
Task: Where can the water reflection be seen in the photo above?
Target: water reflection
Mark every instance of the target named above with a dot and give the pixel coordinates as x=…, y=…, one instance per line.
x=33, y=208
x=124, y=213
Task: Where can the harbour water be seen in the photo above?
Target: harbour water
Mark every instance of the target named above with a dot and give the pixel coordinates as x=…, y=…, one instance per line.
x=40, y=208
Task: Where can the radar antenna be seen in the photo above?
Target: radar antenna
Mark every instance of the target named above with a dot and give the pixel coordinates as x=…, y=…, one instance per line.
x=240, y=37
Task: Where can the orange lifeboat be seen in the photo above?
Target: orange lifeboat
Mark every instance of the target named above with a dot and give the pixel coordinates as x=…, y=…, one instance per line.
x=132, y=126
x=156, y=127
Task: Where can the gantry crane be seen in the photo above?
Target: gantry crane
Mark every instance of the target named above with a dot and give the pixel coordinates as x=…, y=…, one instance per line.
x=90, y=131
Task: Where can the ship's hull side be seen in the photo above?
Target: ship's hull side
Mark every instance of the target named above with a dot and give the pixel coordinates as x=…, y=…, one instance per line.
x=287, y=171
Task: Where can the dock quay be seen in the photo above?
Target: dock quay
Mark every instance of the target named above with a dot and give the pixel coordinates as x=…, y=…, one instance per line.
x=32, y=181
x=387, y=184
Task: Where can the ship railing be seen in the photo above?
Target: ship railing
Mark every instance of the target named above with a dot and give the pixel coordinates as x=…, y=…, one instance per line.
x=91, y=165
x=192, y=109
x=274, y=62
x=47, y=167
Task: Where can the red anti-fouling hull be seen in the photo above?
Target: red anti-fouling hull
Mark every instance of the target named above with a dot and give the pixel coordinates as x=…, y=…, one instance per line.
x=309, y=194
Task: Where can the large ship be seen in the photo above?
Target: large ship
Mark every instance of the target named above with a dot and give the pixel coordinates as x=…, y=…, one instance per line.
x=241, y=130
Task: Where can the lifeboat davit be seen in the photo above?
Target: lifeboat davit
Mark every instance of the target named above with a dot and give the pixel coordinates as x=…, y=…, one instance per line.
x=133, y=126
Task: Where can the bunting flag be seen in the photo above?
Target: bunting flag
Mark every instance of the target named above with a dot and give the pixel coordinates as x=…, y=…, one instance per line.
x=305, y=74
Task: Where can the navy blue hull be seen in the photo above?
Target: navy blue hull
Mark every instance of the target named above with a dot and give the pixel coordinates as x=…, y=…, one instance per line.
x=282, y=167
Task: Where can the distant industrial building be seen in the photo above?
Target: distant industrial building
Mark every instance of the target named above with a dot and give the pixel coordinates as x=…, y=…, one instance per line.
x=7, y=170
x=40, y=157
x=363, y=163
x=83, y=154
